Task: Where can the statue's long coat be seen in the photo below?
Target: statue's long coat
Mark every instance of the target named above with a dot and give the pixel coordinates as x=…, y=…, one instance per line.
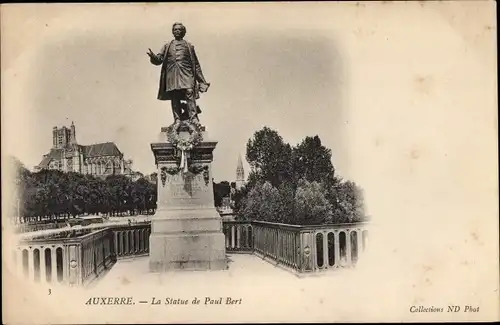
x=178, y=74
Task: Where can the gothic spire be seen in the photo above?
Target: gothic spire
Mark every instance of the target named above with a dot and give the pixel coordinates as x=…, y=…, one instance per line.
x=240, y=172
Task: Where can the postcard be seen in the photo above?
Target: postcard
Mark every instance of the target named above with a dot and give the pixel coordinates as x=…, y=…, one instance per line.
x=249, y=162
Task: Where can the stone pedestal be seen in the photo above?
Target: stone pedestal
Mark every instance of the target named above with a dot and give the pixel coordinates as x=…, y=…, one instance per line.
x=186, y=230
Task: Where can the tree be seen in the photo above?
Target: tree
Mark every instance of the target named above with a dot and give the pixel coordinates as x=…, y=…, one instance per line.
x=269, y=158
x=311, y=205
x=262, y=203
x=302, y=180
x=350, y=203
x=313, y=161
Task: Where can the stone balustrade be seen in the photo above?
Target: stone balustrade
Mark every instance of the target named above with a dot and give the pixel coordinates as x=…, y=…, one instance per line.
x=131, y=240
x=239, y=236
x=77, y=258
x=302, y=248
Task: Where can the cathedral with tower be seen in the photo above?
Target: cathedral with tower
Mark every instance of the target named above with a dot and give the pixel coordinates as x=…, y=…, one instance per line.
x=100, y=159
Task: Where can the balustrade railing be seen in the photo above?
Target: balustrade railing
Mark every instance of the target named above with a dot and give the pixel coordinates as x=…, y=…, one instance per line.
x=239, y=236
x=302, y=248
x=76, y=257
x=131, y=240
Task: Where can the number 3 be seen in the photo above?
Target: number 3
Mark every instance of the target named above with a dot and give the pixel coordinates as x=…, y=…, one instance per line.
x=50, y=292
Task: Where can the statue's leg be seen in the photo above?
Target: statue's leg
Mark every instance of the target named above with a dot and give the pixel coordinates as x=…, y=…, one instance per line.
x=176, y=105
x=191, y=105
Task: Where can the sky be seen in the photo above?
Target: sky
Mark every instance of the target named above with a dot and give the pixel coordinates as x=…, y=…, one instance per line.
x=100, y=78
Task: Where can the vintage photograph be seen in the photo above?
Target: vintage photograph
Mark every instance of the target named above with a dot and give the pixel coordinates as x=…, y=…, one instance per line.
x=249, y=162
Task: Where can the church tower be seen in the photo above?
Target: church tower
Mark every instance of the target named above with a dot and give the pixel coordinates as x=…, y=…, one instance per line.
x=240, y=174
x=73, y=133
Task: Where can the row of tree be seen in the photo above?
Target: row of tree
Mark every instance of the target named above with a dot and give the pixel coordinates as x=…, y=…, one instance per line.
x=52, y=195
x=296, y=185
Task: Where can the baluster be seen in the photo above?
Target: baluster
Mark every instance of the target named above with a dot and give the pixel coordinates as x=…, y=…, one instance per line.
x=238, y=236
x=64, y=267
x=283, y=249
x=227, y=234
x=274, y=247
x=359, y=240
x=255, y=232
x=232, y=236
x=348, y=247
x=247, y=241
x=277, y=233
x=141, y=240
x=115, y=235
x=271, y=243
x=43, y=270
x=265, y=246
x=262, y=236
x=92, y=255
x=126, y=245
x=121, y=243
x=100, y=254
x=284, y=246
x=279, y=246
x=326, y=262
x=336, y=247
x=287, y=247
x=53, y=259
x=85, y=261
x=31, y=265
x=131, y=242
x=256, y=238
x=88, y=259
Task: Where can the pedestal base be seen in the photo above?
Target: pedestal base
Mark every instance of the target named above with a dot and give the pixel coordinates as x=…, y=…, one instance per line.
x=190, y=251
x=186, y=230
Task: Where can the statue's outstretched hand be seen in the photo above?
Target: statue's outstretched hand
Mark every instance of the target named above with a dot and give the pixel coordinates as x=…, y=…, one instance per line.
x=153, y=58
x=151, y=54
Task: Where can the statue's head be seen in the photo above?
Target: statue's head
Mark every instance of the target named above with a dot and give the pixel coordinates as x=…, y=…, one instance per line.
x=179, y=30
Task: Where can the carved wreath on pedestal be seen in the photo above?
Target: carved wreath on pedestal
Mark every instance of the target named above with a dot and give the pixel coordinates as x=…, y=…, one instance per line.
x=183, y=144
x=195, y=135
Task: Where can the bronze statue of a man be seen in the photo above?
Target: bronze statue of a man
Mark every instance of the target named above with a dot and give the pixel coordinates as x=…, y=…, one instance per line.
x=181, y=76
